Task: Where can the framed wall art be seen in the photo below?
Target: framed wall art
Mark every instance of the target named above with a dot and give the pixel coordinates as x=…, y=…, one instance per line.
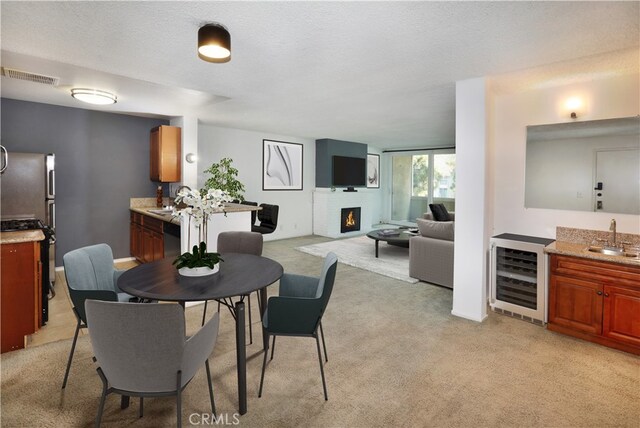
x=281, y=165
x=373, y=171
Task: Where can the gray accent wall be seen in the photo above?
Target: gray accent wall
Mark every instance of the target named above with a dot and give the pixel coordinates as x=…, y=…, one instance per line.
x=326, y=149
x=102, y=160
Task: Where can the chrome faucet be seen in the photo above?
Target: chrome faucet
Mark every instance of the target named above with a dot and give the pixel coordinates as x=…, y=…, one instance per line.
x=612, y=229
x=180, y=188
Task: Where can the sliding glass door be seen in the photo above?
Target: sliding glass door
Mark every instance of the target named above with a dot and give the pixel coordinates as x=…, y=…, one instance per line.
x=419, y=179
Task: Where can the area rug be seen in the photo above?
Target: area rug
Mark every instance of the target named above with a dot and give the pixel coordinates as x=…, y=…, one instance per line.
x=359, y=252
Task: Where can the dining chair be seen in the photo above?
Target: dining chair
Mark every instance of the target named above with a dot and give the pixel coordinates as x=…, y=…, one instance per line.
x=268, y=217
x=298, y=310
x=142, y=351
x=239, y=242
x=90, y=274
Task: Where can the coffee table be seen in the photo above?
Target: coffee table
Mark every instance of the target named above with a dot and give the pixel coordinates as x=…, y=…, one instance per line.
x=397, y=237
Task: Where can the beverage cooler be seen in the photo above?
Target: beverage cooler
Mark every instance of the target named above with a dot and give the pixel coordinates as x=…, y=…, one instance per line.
x=519, y=277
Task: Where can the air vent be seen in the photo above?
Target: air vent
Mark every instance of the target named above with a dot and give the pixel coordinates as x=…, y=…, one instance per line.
x=30, y=77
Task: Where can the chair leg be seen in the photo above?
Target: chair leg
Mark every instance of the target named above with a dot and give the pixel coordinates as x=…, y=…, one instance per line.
x=324, y=385
x=141, y=406
x=73, y=348
x=264, y=364
x=324, y=344
x=179, y=399
x=273, y=347
x=204, y=313
x=213, y=403
x=250, y=329
x=102, y=398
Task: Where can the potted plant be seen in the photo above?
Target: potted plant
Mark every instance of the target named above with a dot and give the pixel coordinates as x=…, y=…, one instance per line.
x=198, y=262
x=198, y=206
x=223, y=177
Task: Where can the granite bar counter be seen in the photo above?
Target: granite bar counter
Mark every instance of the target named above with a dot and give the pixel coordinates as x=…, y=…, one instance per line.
x=21, y=236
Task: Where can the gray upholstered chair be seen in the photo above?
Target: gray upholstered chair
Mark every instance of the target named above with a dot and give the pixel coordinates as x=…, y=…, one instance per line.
x=431, y=252
x=142, y=350
x=298, y=310
x=90, y=274
x=239, y=242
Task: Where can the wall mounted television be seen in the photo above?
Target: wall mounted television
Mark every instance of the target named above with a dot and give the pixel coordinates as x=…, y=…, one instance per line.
x=349, y=171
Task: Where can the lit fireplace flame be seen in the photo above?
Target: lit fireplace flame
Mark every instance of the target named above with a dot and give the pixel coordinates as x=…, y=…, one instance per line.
x=350, y=220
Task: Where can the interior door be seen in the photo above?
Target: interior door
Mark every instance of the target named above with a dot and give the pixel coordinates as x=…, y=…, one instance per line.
x=616, y=177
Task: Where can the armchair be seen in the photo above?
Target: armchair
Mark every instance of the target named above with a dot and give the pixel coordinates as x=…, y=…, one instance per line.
x=298, y=310
x=431, y=252
x=142, y=350
x=90, y=274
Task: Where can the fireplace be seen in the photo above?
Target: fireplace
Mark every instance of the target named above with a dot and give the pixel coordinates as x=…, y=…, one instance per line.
x=349, y=219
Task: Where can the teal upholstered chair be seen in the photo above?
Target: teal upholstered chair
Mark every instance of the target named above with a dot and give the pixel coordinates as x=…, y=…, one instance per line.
x=90, y=274
x=298, y=310
x=142, y=350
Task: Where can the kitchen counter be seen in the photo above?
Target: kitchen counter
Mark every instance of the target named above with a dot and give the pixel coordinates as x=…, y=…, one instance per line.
x=169, y=218
x=581, y=250
x=21, y=236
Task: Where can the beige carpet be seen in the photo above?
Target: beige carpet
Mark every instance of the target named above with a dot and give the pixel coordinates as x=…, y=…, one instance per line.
x=392, y=261
x=397, y=357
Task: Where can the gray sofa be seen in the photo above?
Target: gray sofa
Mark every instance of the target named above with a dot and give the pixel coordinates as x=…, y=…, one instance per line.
x=431, y=252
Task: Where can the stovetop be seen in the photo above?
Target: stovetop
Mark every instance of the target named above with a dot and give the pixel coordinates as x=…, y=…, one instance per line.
x=21, y=224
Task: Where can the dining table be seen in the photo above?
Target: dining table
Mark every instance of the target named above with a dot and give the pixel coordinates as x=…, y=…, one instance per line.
x=238, y=276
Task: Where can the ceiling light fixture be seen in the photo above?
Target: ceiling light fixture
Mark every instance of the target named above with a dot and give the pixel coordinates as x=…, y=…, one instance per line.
x=94, y=96
x=214, y=43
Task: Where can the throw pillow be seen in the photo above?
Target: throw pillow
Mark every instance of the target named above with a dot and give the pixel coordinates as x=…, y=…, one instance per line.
x=440, y=212
x=436, y=229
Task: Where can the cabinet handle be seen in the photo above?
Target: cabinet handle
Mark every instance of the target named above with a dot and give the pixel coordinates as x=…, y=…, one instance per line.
x=606, y=294
x=599, y=293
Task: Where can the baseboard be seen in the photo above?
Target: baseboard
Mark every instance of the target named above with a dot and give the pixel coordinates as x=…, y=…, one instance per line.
x=469, y=317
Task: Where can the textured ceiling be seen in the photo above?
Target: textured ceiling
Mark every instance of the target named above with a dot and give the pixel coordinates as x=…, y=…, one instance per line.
x=381, y=73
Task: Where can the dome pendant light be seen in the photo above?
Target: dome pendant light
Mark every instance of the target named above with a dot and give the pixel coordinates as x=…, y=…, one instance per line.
x=214, y=43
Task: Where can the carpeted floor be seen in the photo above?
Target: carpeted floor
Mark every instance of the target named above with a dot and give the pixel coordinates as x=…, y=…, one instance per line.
x=397, y=357
x=393, y=261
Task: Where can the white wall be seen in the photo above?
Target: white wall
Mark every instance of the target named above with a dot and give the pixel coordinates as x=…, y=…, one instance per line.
x=376, y=198
x=245, y=148
x=511, y=114
x=473, y=208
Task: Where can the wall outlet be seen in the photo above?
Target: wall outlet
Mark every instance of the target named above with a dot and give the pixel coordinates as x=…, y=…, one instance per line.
x=579, y=195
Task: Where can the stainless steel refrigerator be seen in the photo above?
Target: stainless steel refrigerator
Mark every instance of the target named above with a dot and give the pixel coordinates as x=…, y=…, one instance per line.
x=27, y=190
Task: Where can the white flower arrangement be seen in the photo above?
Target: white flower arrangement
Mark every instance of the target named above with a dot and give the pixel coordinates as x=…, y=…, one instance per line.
x=200, y=205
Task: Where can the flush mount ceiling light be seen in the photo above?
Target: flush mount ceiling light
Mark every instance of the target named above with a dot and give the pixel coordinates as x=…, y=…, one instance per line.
x=94, y=96
x=214, y=43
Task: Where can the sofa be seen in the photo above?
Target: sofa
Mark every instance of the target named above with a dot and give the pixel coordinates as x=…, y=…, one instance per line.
x=431, y=251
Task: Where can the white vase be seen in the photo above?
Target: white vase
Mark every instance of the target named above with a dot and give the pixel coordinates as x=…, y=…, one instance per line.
x=199, y=271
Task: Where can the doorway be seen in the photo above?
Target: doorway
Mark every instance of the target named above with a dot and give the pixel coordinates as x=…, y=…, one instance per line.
x=616, y=178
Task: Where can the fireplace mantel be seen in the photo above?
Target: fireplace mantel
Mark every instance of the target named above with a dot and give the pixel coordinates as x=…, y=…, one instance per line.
x=327, y=206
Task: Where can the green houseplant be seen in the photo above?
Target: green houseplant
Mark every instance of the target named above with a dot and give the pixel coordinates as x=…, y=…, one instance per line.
x=223, y=177
x=198, y=258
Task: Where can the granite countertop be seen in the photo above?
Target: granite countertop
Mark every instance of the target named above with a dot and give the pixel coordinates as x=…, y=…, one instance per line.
x=169, y=218
x=577, y=249
x=21, y=236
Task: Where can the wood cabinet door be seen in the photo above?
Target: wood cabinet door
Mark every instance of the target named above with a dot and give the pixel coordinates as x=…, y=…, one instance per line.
x=19, y=292
x=621, y=314
x=158, y=246
x=576, y=304
x=147, y=245
x=154, y=156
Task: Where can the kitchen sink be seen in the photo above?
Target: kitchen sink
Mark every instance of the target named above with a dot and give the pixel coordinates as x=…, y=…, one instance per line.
x=613, y=251
x=161, y=211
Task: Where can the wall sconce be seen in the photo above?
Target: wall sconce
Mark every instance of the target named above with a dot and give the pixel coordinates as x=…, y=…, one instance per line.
x=573, y=105
x=214, y=43
x=191, y=157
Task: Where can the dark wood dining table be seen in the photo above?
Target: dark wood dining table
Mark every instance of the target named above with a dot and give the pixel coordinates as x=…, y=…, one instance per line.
x=239, y=276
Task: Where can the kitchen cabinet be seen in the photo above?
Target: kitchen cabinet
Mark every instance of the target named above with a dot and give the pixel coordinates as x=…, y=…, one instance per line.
x=595, y=300
x=21, y=271
x=146, y=238
x=166, y=154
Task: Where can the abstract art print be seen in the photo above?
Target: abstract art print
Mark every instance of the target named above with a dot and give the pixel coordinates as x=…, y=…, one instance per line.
x=281, y=165
x=373, y=171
